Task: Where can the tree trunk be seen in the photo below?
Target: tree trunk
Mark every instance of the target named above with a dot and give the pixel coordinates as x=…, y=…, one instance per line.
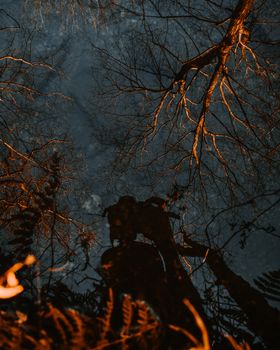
x=263, y=319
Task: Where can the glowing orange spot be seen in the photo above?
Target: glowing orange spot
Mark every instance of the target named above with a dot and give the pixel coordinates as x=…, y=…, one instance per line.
x=9, y=284
x=6, y=292
x=29, y=260
x=12, y=281
x=107, y=266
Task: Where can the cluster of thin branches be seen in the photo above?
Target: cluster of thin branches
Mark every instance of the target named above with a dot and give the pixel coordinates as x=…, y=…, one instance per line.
x=36, y=164
x=73, y=12
x=203, y=94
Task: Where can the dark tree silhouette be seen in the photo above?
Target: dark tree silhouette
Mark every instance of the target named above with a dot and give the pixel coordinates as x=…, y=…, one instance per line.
x=135, y=268
x=251, y=301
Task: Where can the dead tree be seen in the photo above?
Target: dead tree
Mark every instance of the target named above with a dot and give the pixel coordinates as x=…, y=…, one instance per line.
x=263, y=319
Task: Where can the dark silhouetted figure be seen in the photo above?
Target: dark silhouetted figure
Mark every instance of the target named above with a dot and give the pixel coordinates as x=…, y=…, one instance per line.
x=154, y=274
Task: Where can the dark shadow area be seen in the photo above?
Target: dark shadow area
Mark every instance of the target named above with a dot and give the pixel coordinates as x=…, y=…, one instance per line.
x=154, y=272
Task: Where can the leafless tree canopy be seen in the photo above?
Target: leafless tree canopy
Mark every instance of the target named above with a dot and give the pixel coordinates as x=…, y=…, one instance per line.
x=199, y=80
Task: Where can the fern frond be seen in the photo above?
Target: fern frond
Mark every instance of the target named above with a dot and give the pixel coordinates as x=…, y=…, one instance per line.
x=106, y=320
x=127, y=313
x=237, y=346
x=61, y=323
x=78, y=333
x=143, y=315
x=11, y=334
x=269, y=285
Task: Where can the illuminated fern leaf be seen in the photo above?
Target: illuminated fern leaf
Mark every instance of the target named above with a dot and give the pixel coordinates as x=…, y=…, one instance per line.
x=106, y=320
x=143, y=315
x=79, y=328
x=127, y=313
x=62, y=325
x=127, y=317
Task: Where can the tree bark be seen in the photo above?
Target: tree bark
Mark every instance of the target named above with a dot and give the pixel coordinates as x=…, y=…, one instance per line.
x=263, y=319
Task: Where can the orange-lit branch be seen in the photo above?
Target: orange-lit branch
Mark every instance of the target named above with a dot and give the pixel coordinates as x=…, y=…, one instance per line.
x=28, y=63
x=204, y=344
